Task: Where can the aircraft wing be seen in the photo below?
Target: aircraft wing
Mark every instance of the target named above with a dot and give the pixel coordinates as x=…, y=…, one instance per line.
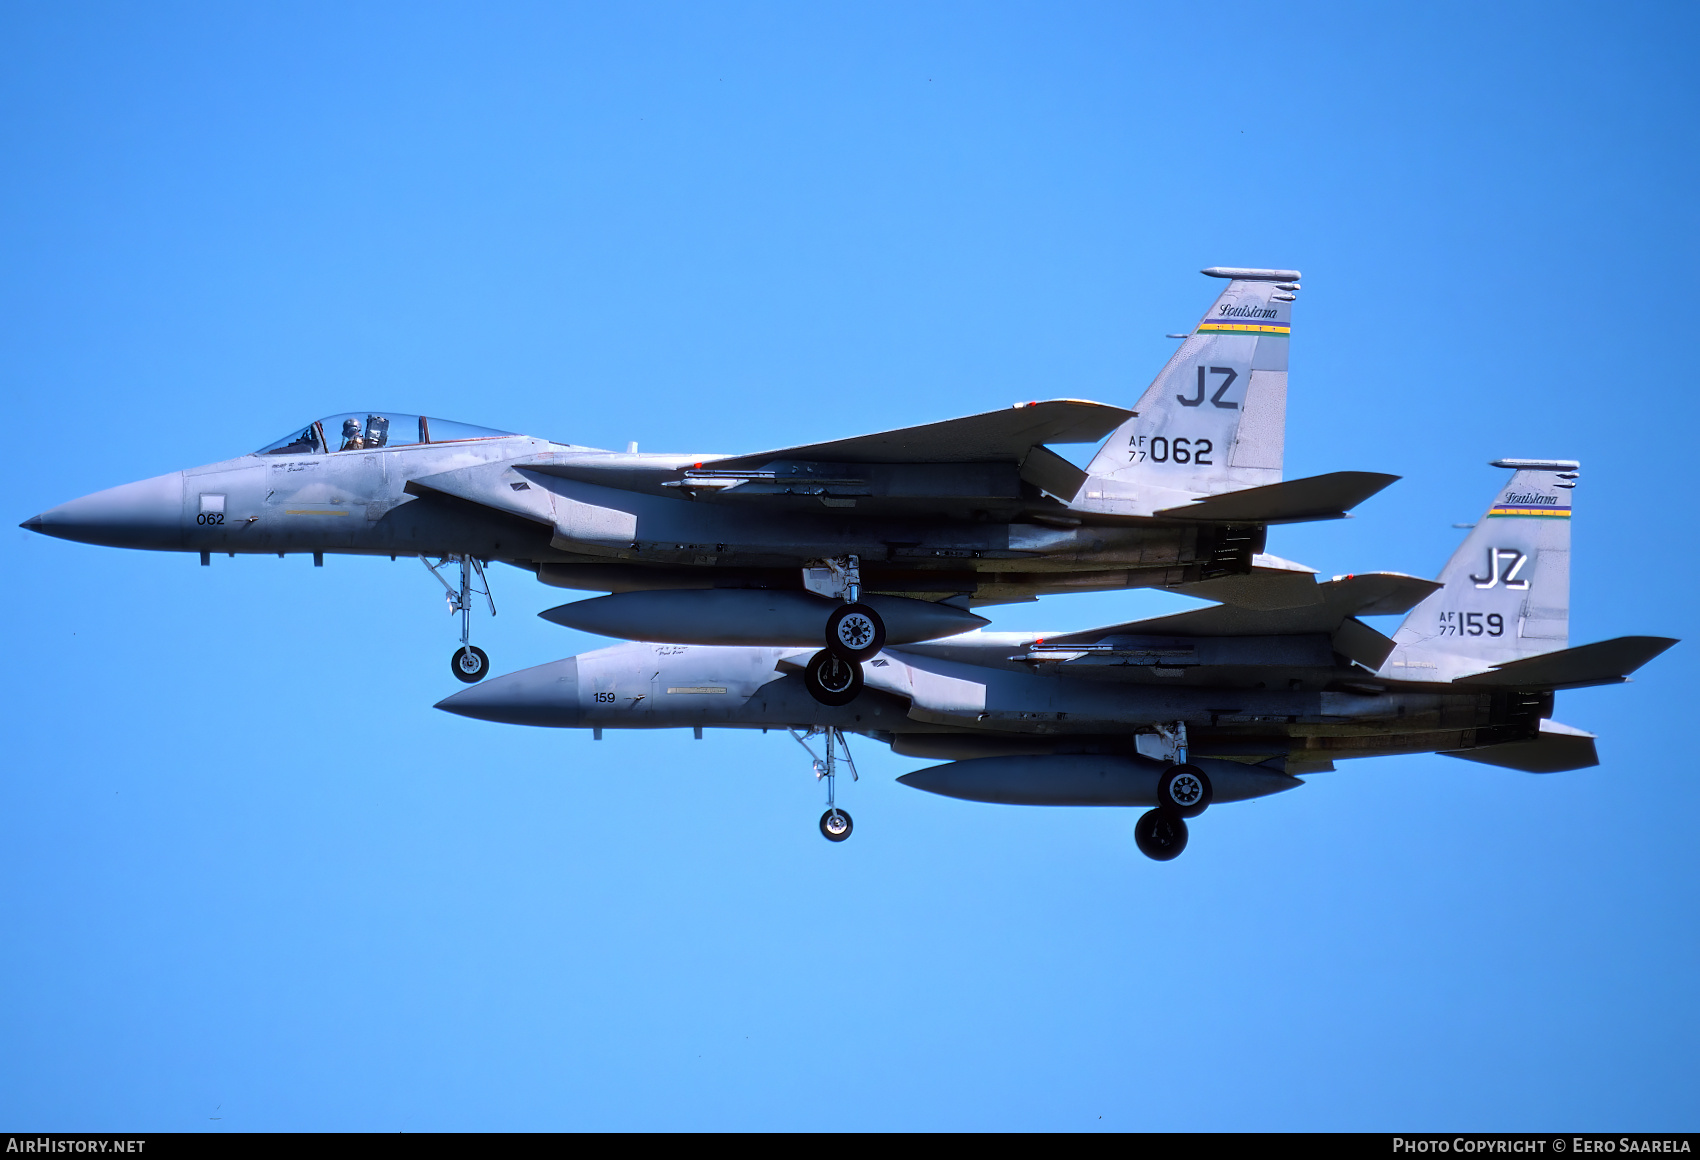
x=1003, y=436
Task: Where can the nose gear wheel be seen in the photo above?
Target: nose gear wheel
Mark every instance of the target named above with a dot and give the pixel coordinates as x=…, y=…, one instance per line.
x=835, y=825
x=469, y=664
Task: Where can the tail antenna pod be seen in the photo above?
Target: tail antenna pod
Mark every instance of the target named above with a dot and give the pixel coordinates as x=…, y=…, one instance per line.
x=1247, y=274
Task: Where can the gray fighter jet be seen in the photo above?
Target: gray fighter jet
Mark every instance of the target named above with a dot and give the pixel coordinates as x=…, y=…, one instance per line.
x=850, y=543
x=1220, y=704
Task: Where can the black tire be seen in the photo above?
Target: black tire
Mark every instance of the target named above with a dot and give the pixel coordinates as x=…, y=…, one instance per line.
x=1184, y=790
x=1160, y=835
x=469, y=664
x=835, y=825
x=831, y=679
x=855, y=632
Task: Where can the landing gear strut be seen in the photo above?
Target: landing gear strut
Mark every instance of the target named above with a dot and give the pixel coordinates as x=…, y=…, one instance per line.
x=468, y=662
x=835, y=824
x=1183, y=791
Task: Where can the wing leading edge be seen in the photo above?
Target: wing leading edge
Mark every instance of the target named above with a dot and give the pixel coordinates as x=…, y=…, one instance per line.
x=1004, y=436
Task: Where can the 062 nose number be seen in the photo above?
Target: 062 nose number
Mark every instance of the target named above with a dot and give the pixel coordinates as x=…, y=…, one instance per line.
x=210, y=518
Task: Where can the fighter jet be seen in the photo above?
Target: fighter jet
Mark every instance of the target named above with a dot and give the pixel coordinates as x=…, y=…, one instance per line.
x=1218, y=704
x=848, y=544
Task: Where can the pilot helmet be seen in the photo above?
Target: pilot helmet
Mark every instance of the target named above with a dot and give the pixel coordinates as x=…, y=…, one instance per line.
x=351, y=428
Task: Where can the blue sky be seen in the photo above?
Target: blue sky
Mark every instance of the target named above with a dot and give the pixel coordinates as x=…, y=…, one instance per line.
x=250, y=879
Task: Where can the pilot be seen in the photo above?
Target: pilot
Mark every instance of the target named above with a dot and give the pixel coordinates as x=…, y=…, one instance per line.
x=352, y=439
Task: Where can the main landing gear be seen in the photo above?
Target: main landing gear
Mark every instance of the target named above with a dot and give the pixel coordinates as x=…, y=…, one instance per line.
x=853, y=631
x=831, y=679
x=468, y=662
x=835, y=824
x=1183, y=791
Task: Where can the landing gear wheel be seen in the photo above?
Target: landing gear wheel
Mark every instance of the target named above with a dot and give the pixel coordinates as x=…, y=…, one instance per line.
x=1184, y=790
x=855, y=632
x=835, y=825
x=831, y=679
x=1160, y=835
x=469, y=663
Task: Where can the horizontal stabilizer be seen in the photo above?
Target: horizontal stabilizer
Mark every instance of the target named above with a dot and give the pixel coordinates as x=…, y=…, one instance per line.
x=1558, y=748
x=1318, y=497
x=1260, y=590
x=1337, y=601
x=1604, y=662
x=991, y=437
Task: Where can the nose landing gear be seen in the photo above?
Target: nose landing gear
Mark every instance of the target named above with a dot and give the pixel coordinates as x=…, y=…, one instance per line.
x=468, y=662
x=835, y=824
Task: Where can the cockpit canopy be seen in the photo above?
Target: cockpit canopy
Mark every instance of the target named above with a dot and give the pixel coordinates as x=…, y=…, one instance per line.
x=372, y=430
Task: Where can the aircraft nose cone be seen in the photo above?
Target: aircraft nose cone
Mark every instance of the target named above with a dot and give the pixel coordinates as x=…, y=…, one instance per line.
x=144, y=514
x=545, y=695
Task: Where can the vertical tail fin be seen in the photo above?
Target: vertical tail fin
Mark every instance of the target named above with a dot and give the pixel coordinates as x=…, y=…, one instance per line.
x=1215, y=417
x=1505, y=593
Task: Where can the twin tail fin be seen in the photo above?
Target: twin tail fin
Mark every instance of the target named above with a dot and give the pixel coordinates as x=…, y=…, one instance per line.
x=1214, y=419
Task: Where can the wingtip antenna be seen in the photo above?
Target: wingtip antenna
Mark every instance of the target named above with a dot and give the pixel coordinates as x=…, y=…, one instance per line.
x=1538, y=464
x=1248, y=274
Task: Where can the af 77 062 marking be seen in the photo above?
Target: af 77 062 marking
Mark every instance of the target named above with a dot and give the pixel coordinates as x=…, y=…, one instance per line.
x=1166, y=450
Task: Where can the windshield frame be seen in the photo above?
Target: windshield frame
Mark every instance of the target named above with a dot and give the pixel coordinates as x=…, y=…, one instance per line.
x=313, y=439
